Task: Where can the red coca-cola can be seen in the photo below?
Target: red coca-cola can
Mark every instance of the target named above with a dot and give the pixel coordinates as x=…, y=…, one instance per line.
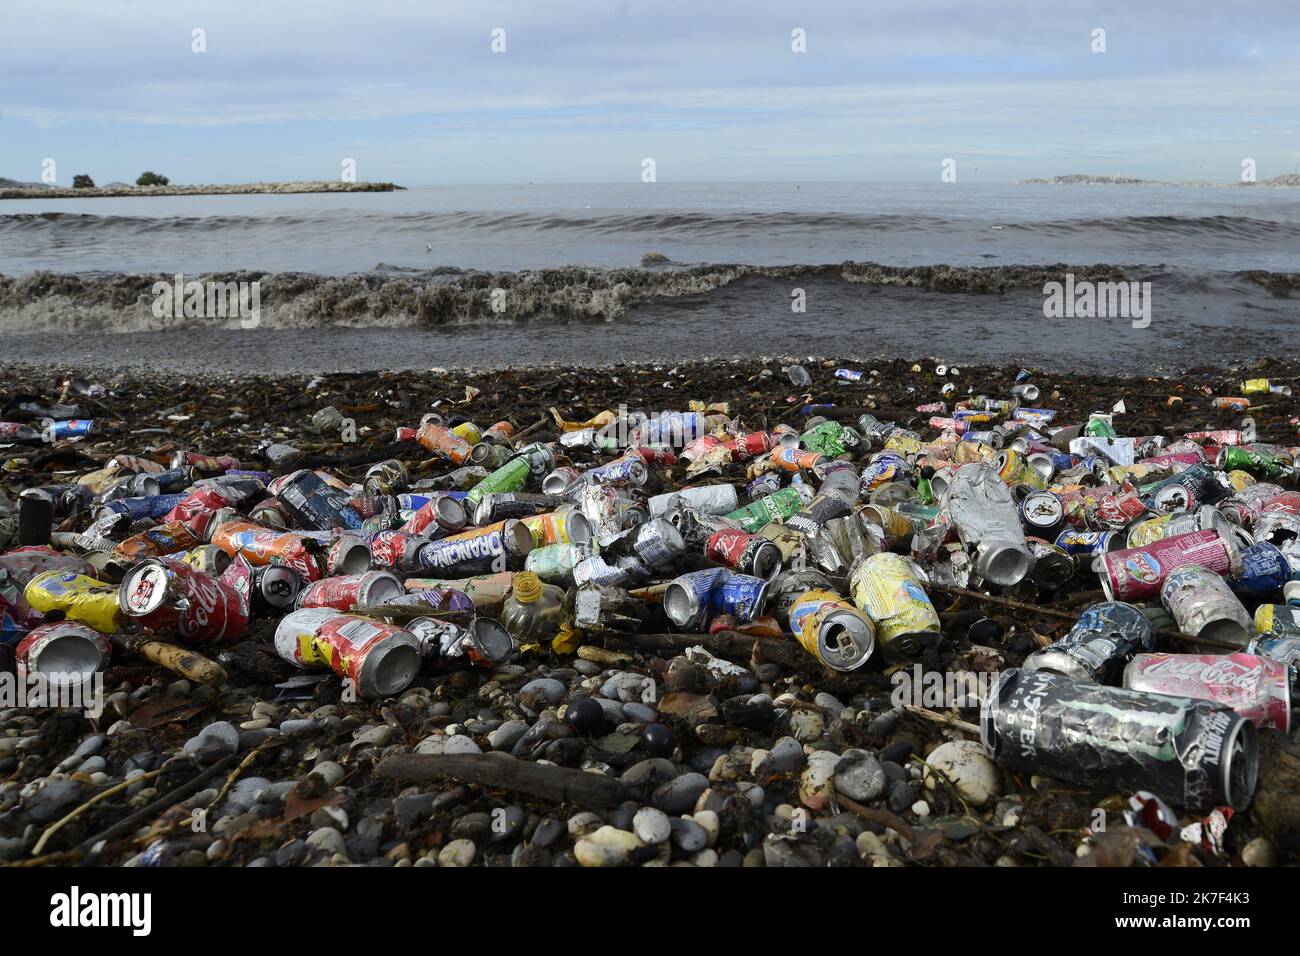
x=1133, y=574
x=1256, y=687
x=751, y=445
x=163, y=594
x=395, y=550
x=346, y=591
x=747, y=553
x=658, y=455
x=1118, y=509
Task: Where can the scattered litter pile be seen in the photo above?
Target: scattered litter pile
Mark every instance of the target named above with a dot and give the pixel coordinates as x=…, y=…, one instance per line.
x=781, y=613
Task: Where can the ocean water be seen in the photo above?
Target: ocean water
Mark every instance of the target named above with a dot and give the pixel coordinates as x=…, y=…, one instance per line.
x=601, y=273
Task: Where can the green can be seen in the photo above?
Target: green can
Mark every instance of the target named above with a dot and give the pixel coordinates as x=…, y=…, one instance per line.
x=1099, y=426
x=779, y=505
x=1232, y=458
x=829, y=438
x=553, y=563
x=512, y=476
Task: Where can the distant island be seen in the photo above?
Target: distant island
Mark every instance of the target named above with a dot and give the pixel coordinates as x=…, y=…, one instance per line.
x=12, y=189
x=1285, y=181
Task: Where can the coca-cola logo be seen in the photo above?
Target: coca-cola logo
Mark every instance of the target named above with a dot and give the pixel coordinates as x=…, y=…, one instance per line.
x=1217, y=672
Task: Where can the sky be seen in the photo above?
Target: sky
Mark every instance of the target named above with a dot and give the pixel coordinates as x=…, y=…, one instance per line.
x=586, y=90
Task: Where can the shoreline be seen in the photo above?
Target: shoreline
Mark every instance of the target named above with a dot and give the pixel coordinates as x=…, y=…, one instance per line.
x=234, y=189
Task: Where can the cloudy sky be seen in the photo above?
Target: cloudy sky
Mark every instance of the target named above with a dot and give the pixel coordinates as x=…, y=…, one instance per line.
x=585, y=89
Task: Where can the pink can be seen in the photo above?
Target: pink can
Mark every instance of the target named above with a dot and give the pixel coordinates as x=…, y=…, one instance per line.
x=1255, y=687
x=1135, y=574
x=346, y=591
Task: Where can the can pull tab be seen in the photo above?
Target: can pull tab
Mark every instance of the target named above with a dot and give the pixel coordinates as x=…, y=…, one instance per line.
x=1248, y=433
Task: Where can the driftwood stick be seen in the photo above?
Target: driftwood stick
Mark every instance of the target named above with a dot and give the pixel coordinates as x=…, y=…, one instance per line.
x=558, y=784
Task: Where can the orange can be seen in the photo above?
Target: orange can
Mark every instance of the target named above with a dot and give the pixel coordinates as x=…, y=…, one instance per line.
x=444, y=443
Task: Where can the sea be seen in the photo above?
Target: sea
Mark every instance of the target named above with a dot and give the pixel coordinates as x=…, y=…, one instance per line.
x=573, y=274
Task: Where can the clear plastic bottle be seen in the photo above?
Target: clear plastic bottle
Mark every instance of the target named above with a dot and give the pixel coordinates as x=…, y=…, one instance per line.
x=534, y=611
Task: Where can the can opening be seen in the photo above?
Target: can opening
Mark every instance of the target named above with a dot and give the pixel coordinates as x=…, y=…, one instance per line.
x=451, y=513
x=1005, y=565
x=68, y=659
x=353, y=557
x=678, y=604
x=395, y=669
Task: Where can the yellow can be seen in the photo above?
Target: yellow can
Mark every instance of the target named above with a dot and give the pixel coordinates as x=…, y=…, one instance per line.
x=832, y=630
x=80, y=598
x=1240, y=480
x=887, y=587
x=904, y=444
x=1254, y=386
x=469, y=431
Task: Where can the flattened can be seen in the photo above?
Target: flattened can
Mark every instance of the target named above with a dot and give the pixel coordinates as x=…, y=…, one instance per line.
x=1195, y=754
x=1258, y=688
x=1264, y=571
x=344, y=592
x=888, y=588
x=1202, y=604
x=832, y=630
x=774, y=507
x=378, y=659
x=1104, y=639
x=444, y=443
x=79, y=597
x=483, y=642
x=1135, y=574
x=170, y=595
x=706, y=499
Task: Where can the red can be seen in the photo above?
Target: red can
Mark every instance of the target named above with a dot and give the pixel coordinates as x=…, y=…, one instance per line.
x=162, y=594
x=660, y=455
x=395, y=549
x=1118, y=509
x=1134, y=574
x=346, y=591
x=66, y=652
x=750, y=445
x=1255, y=687
x=441, y=515
x=747, y=553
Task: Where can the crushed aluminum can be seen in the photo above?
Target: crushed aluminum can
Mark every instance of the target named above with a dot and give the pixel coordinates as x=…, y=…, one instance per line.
x=1256, y=687
x=1104, y=639
x=1202, y=604
x=1195, y=754
x=832, y=630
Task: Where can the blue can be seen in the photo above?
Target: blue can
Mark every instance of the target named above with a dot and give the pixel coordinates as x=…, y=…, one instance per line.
x=265, y=477
x=1264, y=570
x=173, y=479
x=740, y=595
x=71, y=428
x=848, y=374
x=763, y=485
x=1035, y=416
x=1076, y=542
x=886, y=466
x=151, y=506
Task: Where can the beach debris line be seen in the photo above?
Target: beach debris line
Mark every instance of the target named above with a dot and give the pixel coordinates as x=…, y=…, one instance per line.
x=810, y=613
